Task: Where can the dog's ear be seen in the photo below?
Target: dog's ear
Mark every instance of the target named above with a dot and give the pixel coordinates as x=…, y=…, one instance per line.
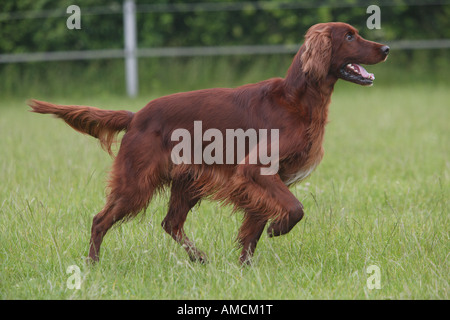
x=316, y=57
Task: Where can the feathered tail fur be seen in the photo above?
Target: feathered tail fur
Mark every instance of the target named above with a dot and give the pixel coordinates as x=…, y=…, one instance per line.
x=101, y=124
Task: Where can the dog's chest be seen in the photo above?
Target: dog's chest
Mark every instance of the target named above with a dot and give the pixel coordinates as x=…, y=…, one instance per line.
x=301, y=174
x=308, y=155
x=310, y=163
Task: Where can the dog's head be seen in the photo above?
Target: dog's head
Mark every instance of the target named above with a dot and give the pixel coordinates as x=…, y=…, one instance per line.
x=337, y=49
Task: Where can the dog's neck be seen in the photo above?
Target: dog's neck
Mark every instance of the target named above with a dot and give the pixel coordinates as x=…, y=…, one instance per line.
x=310, y=98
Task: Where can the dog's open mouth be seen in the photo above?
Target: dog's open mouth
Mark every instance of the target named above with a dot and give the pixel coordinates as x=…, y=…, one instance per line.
x=357, y=74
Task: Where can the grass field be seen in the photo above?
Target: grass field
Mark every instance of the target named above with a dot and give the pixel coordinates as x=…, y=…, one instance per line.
x=380, y=197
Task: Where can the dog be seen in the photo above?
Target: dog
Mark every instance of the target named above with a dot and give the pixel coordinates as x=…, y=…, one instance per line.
x=294, y=107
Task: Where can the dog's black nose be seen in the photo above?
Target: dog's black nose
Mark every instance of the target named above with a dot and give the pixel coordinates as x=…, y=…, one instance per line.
x=385, y=50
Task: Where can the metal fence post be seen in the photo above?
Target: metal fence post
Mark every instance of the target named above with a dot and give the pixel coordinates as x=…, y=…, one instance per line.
x=130, y=40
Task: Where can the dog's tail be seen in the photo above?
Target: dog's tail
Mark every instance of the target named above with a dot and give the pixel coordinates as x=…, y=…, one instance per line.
x=104, y=125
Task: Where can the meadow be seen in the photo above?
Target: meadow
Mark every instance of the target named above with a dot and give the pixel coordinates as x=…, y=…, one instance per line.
x=379, y=198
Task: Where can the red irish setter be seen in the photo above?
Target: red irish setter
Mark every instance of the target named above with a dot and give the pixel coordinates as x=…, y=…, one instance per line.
x=297, y=106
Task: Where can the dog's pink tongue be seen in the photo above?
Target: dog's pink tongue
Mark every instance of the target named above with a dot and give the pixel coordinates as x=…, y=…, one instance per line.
x=363, y=71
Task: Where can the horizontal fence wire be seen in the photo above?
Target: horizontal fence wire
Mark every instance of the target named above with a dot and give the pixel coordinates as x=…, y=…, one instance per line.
x=197, y=51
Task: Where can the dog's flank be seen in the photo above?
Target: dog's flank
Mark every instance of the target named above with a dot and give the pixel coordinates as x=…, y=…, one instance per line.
x=296, y=106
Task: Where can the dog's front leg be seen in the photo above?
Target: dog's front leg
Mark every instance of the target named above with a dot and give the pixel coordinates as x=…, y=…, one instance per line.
x=263, y=198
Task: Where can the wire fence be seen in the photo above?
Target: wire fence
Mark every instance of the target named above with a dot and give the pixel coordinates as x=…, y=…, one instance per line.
x=197, y=51
x=131, y=51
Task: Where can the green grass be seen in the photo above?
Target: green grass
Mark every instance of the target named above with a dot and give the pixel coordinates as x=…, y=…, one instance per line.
x=380, y=197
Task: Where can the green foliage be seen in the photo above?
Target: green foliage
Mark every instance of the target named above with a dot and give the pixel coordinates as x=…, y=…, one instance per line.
x=203, y=27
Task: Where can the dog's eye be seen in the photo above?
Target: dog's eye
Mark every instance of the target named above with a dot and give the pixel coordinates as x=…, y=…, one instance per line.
x=349, y=36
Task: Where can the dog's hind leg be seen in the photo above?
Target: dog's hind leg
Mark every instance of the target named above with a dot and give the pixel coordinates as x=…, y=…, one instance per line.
x=131, y=189
x=120, y=205
x=114, y=211
x=182, y=200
